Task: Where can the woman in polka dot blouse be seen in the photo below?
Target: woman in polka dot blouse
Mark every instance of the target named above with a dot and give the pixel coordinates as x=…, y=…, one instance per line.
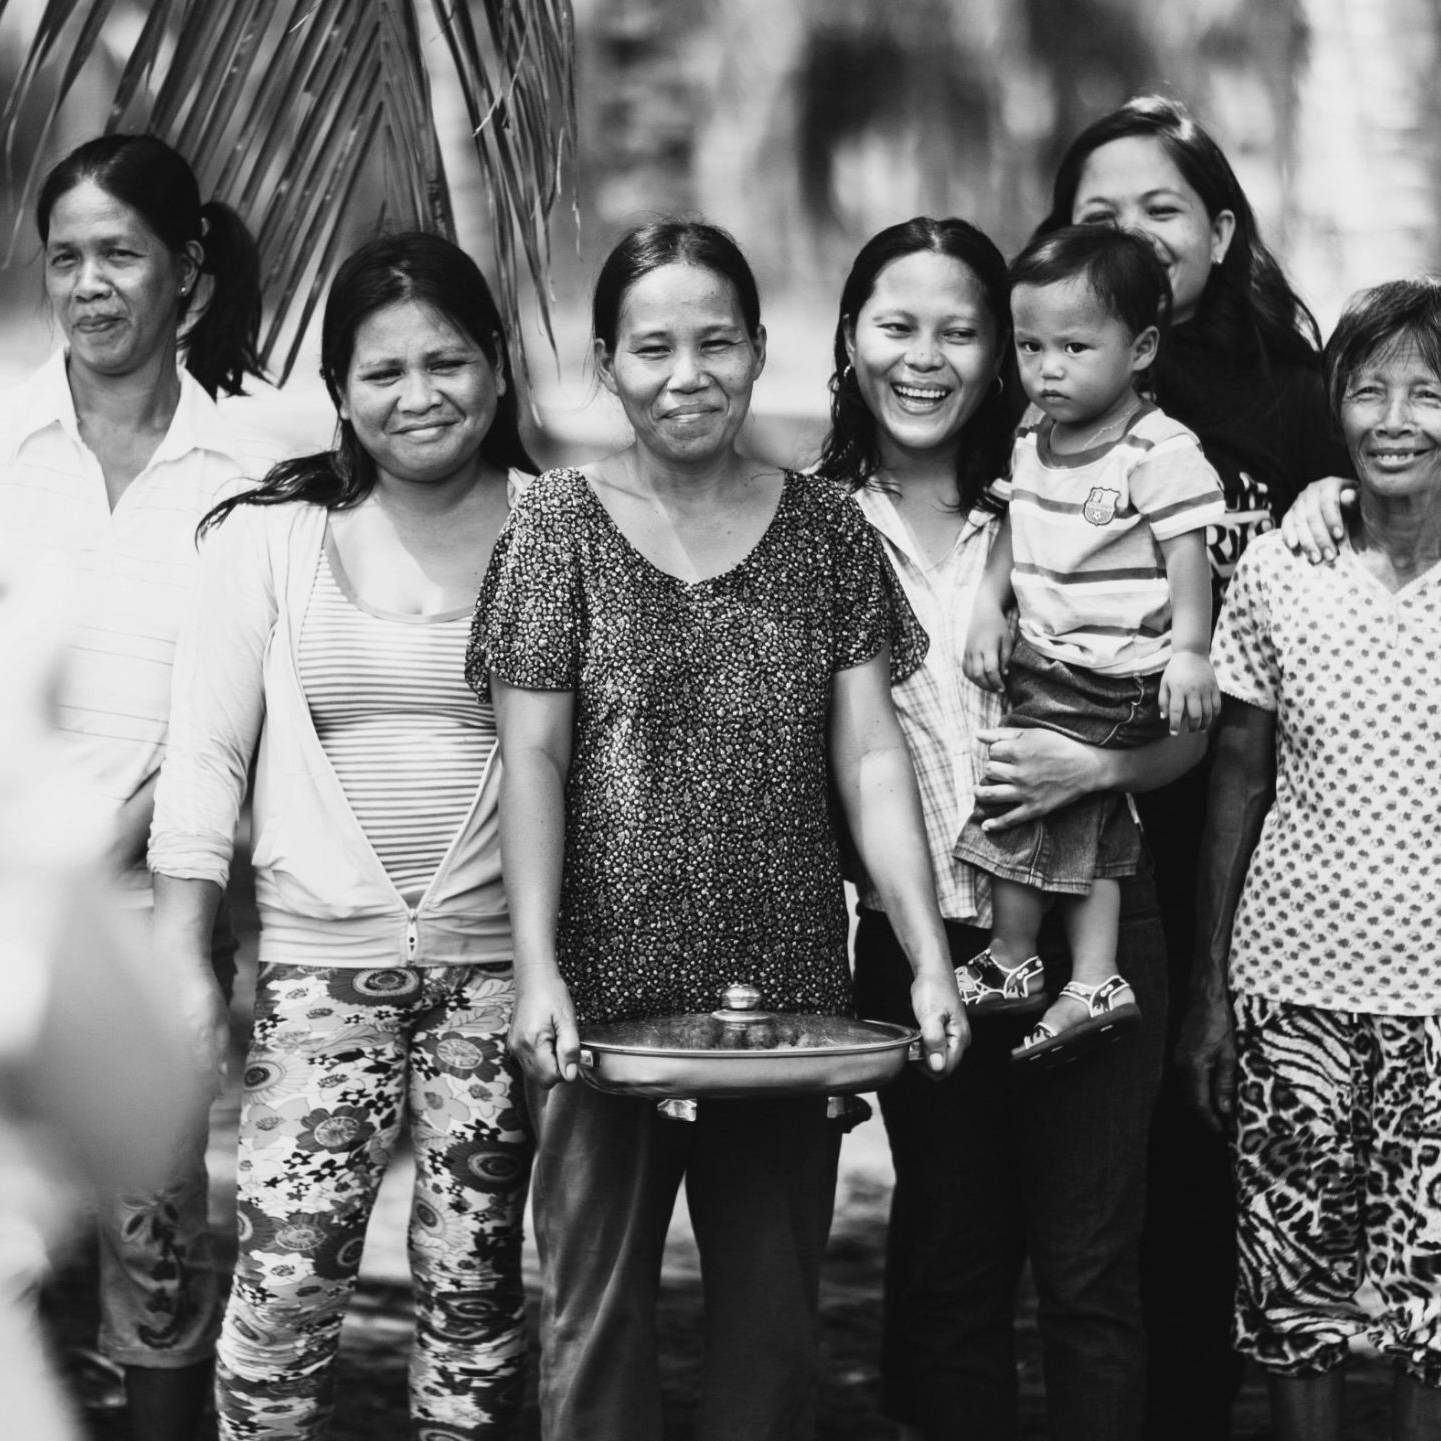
x=1316, y=1021
x=686, y=648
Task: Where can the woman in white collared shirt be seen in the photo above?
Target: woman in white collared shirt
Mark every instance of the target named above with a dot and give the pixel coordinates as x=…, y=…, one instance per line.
x=109, y=455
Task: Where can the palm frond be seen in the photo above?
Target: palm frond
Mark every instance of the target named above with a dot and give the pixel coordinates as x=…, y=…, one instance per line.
x=292, y=111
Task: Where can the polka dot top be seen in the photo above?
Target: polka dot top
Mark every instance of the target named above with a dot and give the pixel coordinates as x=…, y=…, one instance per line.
x=1342, y=901
x=699, y=845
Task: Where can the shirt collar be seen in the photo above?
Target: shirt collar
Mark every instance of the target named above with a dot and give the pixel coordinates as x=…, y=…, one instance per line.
x=45, y=400
x=878, y=507
x=196, y=425
x=42, y=401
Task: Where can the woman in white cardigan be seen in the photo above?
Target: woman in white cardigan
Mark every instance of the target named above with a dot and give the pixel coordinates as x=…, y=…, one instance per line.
x=327, y=643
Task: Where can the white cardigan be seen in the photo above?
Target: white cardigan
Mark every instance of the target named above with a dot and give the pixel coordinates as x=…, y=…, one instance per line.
x=323, y=895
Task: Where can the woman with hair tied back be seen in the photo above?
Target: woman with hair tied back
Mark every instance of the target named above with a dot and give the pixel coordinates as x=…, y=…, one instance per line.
x=109, y=455
x=1242, y=370
x=993, y=1166
x=327, y=642
x=685, y=648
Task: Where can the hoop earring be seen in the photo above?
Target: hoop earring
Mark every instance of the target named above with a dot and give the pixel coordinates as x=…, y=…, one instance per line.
x=1000, y=383
x=849, y=373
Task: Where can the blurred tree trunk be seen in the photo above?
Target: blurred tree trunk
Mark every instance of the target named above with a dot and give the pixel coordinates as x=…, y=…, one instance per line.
x=641, y=106
x=1367, y=180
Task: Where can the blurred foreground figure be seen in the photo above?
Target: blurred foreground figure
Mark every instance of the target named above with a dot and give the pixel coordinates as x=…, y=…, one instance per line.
x=98, y=1093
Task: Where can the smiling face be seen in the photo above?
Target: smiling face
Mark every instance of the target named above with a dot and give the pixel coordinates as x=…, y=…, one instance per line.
x=420, y=394
x=924, y=349
x=1391, y=419
x=1134, y=183
x=683, y=364
x=1078, y=361
x=114, y=284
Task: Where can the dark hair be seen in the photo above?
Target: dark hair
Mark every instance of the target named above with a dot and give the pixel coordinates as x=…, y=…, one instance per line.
x=1247, y=302
x=143, y=172
x=670, y=242
x=851, y=451
x=1121, y=269
x=415, y=266
x=1378, y=320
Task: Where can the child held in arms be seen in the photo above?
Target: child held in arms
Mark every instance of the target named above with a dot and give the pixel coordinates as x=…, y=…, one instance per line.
x=1102, y=551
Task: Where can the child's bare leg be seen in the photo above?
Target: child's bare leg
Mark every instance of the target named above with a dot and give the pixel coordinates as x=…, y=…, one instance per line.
x=1016, y=914
x=1092, y=925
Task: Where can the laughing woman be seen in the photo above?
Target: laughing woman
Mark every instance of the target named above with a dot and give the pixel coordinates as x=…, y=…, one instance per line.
x=990, y=1169
x=328, y=642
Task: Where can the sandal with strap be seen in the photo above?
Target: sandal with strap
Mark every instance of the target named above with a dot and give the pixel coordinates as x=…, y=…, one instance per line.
x=990, y=989
x=1111, y=1010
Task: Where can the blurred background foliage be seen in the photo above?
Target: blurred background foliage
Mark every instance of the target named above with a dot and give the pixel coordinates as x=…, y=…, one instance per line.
x=316, y=120
x=803, y=126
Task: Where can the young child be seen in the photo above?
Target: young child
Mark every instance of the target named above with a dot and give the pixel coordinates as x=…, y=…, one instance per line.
x=1103, y=552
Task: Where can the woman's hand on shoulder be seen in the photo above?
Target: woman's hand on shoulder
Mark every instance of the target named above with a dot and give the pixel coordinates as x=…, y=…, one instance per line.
x=543, y=1036
x=1314, y=525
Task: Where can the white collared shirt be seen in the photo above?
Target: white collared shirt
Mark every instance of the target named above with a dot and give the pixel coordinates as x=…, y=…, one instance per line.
x=126, y=573
x=939, y=709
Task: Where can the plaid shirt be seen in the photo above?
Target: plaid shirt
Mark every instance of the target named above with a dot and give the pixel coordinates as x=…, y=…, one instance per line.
x=939, y=709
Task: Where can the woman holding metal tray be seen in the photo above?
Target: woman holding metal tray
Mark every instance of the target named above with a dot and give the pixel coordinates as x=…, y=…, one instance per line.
x=686, y=649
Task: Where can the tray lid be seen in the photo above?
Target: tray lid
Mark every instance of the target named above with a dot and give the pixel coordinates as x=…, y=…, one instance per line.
x=740, y=1025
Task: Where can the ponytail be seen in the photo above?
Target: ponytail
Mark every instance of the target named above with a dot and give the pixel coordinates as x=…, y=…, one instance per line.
x=221, y=342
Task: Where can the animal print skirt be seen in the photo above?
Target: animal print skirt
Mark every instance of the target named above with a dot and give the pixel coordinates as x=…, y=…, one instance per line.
x=1338, y=1172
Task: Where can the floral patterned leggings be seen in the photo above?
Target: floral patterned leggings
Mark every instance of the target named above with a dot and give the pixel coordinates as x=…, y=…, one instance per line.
x=340, y=1061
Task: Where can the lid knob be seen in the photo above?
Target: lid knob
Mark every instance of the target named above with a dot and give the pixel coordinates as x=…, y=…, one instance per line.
x=740, y=1004
x=738, y=996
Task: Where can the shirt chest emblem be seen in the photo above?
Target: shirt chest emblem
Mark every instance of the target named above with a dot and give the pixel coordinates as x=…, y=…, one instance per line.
x=1100, y=506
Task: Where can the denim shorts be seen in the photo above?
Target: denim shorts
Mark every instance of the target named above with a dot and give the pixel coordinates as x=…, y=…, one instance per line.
x=1116, y=712
x=1097, y=836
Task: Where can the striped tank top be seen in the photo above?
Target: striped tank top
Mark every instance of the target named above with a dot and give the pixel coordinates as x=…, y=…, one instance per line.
x=405, y=734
